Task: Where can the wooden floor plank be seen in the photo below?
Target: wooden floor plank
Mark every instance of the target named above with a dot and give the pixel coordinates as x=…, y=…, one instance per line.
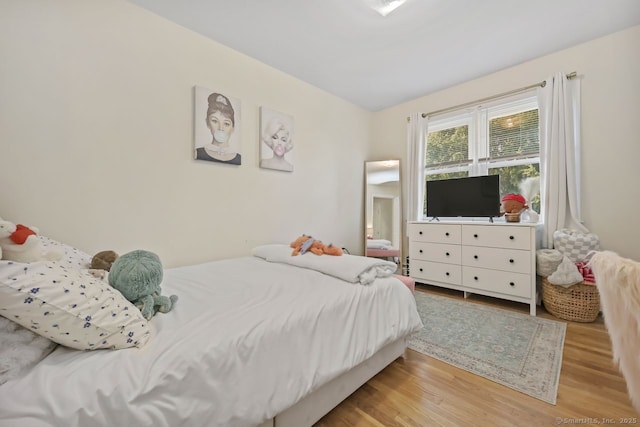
x=418, y=390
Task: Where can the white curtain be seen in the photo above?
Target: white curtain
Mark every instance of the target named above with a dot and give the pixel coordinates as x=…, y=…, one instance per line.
x=559, y=107
x=416, y=143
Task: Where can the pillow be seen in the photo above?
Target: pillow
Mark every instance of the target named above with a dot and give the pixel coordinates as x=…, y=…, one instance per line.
x=566, y=274
x=71, y=257
x=378, y=244
x=575, y=244
x=272, y=251
x=69, y=306
x=20, y=349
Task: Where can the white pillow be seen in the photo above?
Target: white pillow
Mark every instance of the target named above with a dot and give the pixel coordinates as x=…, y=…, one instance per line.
x=567, y=274
x=272, y=251
x=69, y=306
x=378, y=244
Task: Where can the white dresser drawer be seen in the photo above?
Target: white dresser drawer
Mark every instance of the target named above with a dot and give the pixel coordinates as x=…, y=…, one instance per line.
x=435, y=233
x=516, y=284
x=426, y=272
x=518, y=261
x=436, y=252
x=494, y=259
x=498, y=236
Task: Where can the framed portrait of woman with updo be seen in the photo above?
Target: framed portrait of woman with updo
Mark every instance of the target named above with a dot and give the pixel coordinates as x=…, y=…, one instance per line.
x=217, y=127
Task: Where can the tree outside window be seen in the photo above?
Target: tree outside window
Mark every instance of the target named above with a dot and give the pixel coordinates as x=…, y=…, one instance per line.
x=499, y=140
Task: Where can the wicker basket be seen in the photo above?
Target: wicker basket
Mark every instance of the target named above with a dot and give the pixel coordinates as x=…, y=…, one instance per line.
x=578, y=303
x=512, y=217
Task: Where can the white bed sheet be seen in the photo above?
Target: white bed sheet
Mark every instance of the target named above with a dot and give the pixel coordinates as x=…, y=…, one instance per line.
x=245, y=341
x=378, y=244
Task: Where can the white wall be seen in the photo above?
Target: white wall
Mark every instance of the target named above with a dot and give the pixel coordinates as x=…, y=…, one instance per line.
x=609, y=69
x=96, y=136
x=96, y=139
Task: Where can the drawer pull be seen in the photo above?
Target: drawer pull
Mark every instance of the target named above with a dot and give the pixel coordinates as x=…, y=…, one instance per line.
x=475, y=277
x=420, y=233
x=421, y=269
x=446, y=234
x=475, y=235
x=511, y=237
x=475, y=257
x=511, y=284
x=511, y=261
x=447, y=273
x=420, y=250
x=447, y=253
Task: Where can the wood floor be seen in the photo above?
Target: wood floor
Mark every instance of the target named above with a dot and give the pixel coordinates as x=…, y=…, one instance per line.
x=418, y=390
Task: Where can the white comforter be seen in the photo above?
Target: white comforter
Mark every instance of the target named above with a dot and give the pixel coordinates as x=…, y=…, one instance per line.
x=246, y=340
x=351, y=268
x=378, y=244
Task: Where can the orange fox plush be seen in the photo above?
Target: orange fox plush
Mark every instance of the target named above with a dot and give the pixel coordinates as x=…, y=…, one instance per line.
x=306, y=243
x=333, y=250
x=297, y=244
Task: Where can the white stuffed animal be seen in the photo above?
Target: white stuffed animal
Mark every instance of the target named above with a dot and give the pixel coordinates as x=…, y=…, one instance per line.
x=21, y=244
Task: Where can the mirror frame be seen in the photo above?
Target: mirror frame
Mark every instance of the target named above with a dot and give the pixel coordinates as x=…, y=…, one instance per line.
x=385, y=171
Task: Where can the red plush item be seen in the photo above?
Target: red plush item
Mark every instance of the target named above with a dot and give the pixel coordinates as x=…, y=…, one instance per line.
x=586, y=272
x=516, y=197
x=513, y=203
x=20, y=235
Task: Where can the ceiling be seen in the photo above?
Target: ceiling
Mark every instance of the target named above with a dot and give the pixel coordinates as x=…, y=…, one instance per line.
x=349, y=50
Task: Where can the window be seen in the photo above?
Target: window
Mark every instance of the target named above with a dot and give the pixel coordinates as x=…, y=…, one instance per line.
x=499, y=139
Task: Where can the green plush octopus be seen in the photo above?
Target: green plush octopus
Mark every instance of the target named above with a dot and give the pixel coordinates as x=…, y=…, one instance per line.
x=137, y=275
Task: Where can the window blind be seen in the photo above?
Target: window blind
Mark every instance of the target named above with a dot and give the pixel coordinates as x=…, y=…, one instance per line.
x=514, y=136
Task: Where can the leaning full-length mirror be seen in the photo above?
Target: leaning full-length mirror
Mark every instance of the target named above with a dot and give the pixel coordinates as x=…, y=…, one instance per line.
x=383, y=210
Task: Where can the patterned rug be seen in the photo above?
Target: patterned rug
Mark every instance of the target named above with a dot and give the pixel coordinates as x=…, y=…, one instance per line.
x=513, y=349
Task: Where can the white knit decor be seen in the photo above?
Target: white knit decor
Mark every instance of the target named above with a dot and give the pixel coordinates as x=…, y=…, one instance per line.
x=547, y=261
x=575, y=244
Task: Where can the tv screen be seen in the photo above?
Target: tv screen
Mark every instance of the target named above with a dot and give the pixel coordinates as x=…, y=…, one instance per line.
x=477, y=196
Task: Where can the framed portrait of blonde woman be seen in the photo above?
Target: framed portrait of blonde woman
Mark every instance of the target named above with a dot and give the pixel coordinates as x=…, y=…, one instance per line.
x=276, y=140
x=217, y=127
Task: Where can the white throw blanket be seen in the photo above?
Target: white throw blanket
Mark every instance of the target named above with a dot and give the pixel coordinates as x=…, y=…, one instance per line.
x=350, y=268
x=618, y=280
x=20, y=348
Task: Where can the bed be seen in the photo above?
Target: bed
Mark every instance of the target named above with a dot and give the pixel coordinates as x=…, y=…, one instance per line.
x=252, y=341
x=381, y=248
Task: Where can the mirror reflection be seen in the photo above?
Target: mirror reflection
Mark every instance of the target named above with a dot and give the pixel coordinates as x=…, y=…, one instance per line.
x=382, y=210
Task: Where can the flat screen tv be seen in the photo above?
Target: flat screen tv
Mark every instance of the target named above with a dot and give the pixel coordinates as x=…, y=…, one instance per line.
x=477, y=196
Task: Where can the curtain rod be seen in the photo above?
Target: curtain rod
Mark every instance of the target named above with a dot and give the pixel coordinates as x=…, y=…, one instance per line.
x=489, y=98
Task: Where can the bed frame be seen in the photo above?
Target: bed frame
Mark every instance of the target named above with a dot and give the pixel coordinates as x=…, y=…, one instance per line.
x=317, y=404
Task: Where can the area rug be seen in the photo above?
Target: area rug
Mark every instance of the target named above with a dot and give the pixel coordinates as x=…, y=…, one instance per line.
x=513, y=349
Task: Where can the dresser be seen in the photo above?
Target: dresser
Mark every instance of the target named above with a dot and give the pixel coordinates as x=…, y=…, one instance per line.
x=493, y=259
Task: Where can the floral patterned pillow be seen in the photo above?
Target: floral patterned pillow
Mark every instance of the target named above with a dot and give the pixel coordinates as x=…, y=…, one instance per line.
x=69, y=306
x=71, y=257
